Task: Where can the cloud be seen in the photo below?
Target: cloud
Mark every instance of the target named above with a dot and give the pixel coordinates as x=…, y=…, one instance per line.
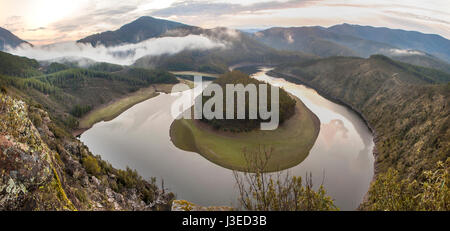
x=87, y=17
x=418, y=17
x=123, y=55
x=37, y=29
x=91, y=18
x=14, y=23
x=401, y=52
x=191, y=8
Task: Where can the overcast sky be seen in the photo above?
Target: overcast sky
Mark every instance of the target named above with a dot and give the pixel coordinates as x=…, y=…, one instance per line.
x=50, y=21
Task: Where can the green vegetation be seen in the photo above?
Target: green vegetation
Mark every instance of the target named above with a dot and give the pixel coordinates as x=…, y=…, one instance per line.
x=78, y=78
x=286, y=104
x=126, y=179
x=407, y=110
x=426, y=74
x=91, y=165
x=391, y=193
x=291, y=142
x=351, y=40
x=110, y=111
x=18, y=66
x=35, y=118
x=71, y=93
x=63, y=174
x=250, y=69
x=277, y=192
x=240, y=49
x=55, y=67
x=194, y=73
x=80, y=110
x=106, y=67
x=29, y=83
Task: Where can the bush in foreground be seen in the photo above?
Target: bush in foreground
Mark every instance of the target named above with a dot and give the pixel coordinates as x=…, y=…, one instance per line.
x=389, y=193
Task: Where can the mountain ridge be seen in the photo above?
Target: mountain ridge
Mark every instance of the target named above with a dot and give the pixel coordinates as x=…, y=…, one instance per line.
x=8, y=39
x=136, y=31
x=344, y=40
x=338, y=40
x=404, y=39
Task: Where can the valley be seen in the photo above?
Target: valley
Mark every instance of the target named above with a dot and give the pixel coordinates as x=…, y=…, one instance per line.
x=364, y=118
x=342, y=153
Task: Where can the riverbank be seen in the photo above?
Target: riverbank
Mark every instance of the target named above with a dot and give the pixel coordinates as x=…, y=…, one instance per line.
x=291, y=142
x=293, y=79
x=388, y=98
x=194, y=73
x=113, y=109
x=340, y=154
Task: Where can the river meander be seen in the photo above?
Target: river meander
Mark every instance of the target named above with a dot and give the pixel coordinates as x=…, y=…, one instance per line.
x=139, y=138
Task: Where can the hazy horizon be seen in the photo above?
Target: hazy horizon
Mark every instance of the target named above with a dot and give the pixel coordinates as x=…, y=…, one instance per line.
x=52, y=21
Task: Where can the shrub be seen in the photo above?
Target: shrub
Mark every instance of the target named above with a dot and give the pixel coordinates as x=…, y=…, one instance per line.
x=262, y=191
x=35, y=119
x=3, y=90
x=57, y=131
x=389, y=193
x=81, y=195
x=91, y=165
x=71, y=122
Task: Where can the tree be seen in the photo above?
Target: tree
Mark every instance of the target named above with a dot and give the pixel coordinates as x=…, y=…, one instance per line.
x=389, y=193
x=262, y=191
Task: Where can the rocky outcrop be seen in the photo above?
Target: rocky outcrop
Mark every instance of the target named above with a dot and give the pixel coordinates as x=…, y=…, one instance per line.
x=25, y=160
x=44, y=168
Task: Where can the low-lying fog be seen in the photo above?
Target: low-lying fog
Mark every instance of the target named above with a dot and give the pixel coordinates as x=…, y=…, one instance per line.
x=125, y=54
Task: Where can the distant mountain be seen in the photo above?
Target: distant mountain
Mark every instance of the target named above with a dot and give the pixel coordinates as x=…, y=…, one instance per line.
x=240, y=47
x=257, y=47
x=240, y=50
x=9, y=39
x=429, y=43
x=250, y=30
x=319, y=41
x=351, y=40
x=139, y=30
x=423, y=60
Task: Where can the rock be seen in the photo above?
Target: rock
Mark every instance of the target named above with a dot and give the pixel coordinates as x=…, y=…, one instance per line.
x=85, y=181
x=24, y=158
x=182, y=205
x=95, y=180
x=41, y=172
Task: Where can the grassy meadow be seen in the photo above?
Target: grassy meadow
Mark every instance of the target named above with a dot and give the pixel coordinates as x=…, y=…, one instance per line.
x=291, y=142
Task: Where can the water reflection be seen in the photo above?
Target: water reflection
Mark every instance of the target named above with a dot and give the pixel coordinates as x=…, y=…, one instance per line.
x=334, y=128
x=139, y=138
x=342, y=154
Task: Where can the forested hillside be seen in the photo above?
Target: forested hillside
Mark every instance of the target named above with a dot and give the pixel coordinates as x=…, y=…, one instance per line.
x=406, y=106
x=353, y=40
x=44, y=166
x=68, y=92
x=240, y=48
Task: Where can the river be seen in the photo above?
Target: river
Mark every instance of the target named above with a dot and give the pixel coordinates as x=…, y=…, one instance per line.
x=341, y=158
